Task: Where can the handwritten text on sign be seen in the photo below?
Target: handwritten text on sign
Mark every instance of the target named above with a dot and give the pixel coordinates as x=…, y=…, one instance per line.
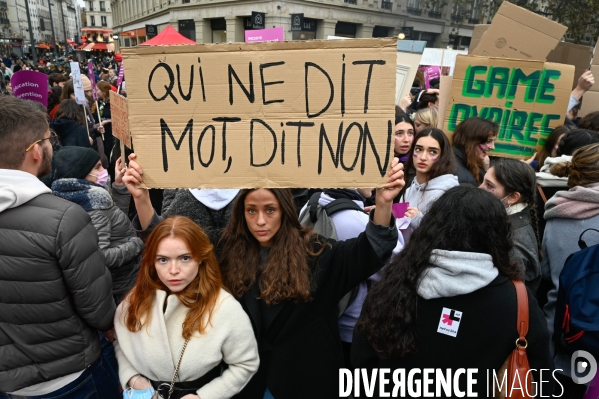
x=306, y=114
x=526, y=98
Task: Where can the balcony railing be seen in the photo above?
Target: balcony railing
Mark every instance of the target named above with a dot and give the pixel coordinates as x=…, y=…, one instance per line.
x=3, y=4
x=434, y=14
x=473, y=21
x=5, y=21
x=414, y=11
x=386, y=5
x=350, y=1
x=456, y=17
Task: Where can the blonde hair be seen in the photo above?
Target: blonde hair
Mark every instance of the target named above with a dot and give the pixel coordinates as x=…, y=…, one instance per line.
x=427, y=116
x=583, y=169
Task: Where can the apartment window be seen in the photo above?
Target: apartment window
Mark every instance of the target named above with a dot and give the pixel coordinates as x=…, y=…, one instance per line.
x=186, y=1
x=351, y=1
x=42, y=25
x=92, y=20
x=91, y=6
x=104, y=23
x=102, y=6
x=413, y=4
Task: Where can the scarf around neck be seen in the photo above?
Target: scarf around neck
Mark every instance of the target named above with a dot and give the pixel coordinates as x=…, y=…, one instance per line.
x=88, y=195
x=580, y=202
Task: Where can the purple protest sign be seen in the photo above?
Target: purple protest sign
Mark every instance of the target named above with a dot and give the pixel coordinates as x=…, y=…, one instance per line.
x=399, y=210
x=121, y=74
x=30, y=85
x=92, y=78
x=265, y=35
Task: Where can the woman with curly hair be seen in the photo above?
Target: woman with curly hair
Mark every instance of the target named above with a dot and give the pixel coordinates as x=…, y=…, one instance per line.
x=454, y=272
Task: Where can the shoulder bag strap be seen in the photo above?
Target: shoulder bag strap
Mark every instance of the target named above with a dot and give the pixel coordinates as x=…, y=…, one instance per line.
x=522, y=325
x=176, y=374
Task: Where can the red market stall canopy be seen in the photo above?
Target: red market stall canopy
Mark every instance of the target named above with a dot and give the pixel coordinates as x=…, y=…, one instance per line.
x=72, y=43
x=43, y=45
x=169, y=36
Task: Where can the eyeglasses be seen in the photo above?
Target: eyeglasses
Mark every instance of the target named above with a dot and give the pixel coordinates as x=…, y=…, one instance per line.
x=53, y=141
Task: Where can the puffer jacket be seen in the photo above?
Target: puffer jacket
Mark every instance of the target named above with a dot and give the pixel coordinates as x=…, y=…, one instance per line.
x=119, y=243
x=55, y=290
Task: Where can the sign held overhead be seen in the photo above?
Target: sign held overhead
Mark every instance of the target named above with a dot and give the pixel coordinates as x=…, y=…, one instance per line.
x=299, y=114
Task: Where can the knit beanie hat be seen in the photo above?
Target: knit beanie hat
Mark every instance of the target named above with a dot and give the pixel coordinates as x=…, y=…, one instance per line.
x=74, y=162
x=87, y=84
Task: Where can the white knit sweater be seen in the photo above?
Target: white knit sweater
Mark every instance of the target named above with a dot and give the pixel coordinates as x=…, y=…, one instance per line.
x=154, y=351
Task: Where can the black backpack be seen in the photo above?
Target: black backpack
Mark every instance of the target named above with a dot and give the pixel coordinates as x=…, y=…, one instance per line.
x=319, y=219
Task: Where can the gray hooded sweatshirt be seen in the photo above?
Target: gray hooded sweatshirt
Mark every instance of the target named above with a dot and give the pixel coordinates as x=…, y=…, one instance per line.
x=422, y=196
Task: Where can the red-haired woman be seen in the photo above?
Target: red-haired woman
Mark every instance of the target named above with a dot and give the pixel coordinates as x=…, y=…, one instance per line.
x=178, y=324
x=290, y=280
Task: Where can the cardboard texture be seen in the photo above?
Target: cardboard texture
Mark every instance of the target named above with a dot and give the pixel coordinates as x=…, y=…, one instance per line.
x=526, y=98
x=572, y=54
x=519, y=34
x=409, y=54
x=444, y=90
x=477, y=34
x=590, y=100
x=278, y=114
x=120, y=118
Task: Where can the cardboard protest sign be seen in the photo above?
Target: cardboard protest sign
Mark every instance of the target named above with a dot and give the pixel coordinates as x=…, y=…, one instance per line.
x=290, y=114
x=526, y=98
x=78, y=84
x=590, y=100
x=409, y=54
x=30, y=85
x=444, y=90
x=520, y=34
x=477, y=34
x=265, y=35
x=572, y=54
x=120, y=118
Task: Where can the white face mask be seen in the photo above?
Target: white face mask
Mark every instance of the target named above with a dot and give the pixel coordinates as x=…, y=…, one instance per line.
x=504, y=203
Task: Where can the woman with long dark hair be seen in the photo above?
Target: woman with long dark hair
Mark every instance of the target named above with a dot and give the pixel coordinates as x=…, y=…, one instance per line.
x=404, y=136
x=290, y=280
x=473, y=139
x=549, y=150
x=454, y=272
x=514, y=183
x=433, y=165
x=178, y=312
x=69, y=125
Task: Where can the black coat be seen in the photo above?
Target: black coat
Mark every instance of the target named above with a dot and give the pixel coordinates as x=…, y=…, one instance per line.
x=462, y=172
x=70, y=133
x=300, y=353
x=486, y=336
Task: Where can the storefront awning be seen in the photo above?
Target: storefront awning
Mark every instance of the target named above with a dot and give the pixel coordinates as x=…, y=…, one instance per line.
x=43, y=46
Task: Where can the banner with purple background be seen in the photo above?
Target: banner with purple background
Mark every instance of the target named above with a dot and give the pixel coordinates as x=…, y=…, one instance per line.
x=121, y=74
x=30, y=85
x=92, y=78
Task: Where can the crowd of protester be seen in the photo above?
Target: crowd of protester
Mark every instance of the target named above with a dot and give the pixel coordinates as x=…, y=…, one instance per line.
x=108, y=289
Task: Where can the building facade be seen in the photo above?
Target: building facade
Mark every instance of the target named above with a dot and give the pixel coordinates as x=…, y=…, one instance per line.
x=51, y=21
x=98, y=14
x=440, y=23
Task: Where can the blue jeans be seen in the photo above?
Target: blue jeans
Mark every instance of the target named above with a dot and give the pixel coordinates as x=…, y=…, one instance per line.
x=94, y=383
x=109, y=358
x=268, y=395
